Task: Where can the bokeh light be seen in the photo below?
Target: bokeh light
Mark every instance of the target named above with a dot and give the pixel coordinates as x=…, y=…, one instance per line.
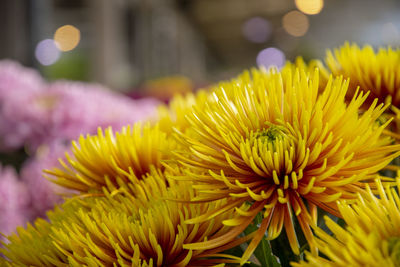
x=295, y=23
x=257, y=30
x=271, y=57
x=47, y=52
x=67, y=37
x=310, y=7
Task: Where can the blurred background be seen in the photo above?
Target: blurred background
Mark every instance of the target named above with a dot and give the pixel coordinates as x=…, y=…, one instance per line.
x=122, y=43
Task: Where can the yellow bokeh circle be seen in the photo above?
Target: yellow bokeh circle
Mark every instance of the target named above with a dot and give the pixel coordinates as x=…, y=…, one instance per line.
x=67, y=37
x=310, y=7
x=295, y=23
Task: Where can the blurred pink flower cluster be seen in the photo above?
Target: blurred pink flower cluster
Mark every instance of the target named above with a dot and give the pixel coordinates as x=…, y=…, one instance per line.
x=43, y=118
x=33, y=112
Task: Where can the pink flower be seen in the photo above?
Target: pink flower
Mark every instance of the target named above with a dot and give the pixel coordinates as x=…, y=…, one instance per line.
x=16, y=78
x=23, y=119
x=81, y=108
x=14, y=201
x=17, y=84
x=43, y=193
x=33, y=112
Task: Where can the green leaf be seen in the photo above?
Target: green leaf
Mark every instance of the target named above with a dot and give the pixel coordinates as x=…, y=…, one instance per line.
x=264, y=254
x=281, y=248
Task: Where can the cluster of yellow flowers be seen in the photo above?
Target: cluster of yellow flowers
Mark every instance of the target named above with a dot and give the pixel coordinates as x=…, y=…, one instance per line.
x=281, y=145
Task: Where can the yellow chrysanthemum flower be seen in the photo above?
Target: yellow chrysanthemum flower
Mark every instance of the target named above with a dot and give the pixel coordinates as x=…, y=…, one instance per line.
x=125, y=230
x=112, y=160
x=377, y=72
x=371, y=237
x=272, y=141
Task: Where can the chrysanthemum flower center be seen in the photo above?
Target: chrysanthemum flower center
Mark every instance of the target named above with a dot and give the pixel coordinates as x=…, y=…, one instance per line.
x=394, y=249
x=271, y=153
x=271, y=134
